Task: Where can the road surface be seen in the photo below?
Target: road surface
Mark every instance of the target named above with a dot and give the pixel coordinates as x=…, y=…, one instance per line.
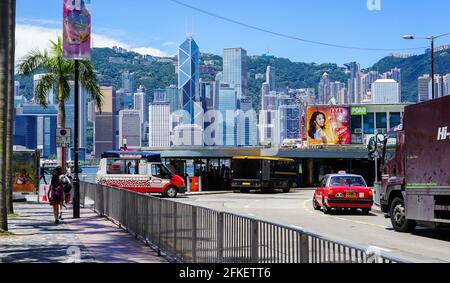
x=295, y=209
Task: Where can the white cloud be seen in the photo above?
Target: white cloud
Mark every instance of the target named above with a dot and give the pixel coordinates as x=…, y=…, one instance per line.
x=150, y=51
x=31, y=36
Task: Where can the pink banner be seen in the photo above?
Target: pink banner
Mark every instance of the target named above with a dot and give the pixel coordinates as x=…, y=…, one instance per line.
x=77, y=29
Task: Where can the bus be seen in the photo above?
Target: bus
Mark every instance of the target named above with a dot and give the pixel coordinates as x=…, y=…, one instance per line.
x=264, y=174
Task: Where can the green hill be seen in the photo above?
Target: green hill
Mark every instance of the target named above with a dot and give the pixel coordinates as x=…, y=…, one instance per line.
x=159, y=73
x=414, y=67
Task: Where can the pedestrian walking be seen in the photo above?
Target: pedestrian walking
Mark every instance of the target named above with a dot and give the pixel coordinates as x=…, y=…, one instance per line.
x=56, y=192
x=42, y=173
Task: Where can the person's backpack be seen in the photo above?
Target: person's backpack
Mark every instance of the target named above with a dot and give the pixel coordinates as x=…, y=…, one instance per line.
x=56, y=192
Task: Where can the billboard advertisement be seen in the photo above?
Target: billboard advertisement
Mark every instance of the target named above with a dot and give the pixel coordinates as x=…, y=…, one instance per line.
x=25, y=171
x=328, y=125
x=76, y=29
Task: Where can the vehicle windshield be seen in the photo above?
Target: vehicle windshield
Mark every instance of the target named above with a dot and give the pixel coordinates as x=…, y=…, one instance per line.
x=390, y=148
x=353, y=181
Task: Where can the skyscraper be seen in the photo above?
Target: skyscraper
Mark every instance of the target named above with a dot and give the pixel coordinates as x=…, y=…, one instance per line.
x=446, y=84
x=188, y=80
x=235, y=70
x=128, y=82
x=247, y=132
x=324, y=89
x=129, y=133
x=438, y=86
x=173, y=98
x=385, y=92
x=70, y=112
x=354, y=69
x=424, y=88
x=336, y=91
x=159, y=95
x=35, y=128
x=105, y=127
x=159, y=124
x=227, y=107
x=271, y=78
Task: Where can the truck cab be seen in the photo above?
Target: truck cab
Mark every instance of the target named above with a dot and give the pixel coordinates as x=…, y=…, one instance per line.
x=141, y=172
x=415, y=180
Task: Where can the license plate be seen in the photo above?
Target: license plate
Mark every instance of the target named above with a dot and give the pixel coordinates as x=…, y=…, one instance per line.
x=351, y=195
x=246, y=184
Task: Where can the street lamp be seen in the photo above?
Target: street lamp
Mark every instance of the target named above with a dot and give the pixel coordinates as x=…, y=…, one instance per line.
x=432, y=38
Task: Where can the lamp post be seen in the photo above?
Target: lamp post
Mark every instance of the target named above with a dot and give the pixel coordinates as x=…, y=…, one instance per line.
x=432, y=38
x=76, y=180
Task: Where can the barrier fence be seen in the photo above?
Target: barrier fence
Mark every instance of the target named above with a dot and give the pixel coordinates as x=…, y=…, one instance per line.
x=194, y=234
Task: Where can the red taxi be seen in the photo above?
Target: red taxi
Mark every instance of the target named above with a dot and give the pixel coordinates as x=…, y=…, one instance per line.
x=343, y=191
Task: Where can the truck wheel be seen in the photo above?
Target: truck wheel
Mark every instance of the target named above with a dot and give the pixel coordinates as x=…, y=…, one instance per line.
x=171, y=192
x=286, y=190
x=398, y=216
x=365, y=211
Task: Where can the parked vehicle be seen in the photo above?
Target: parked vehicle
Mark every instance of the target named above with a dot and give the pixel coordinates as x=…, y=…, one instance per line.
x=141, y=172
x=415, y=176
x=343, y=191
x=263, y=173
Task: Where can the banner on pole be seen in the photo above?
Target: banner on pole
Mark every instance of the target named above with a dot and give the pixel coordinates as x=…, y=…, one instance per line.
x=76, y=29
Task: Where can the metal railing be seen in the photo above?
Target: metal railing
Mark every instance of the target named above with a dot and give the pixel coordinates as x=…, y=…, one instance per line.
x=200, y=235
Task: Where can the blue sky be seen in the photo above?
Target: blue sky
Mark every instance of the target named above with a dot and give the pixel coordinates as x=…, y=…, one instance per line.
x=158, y=26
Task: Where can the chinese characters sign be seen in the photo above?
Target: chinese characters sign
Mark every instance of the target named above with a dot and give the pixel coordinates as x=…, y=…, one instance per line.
x=76, y=29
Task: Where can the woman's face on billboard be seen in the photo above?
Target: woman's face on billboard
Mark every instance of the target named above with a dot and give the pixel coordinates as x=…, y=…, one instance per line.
x=320, y=120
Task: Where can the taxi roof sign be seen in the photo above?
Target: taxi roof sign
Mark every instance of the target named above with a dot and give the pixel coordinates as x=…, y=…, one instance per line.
x=342, y=172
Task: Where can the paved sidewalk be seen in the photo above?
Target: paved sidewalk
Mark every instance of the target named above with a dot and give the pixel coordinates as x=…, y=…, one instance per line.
x=36, y=239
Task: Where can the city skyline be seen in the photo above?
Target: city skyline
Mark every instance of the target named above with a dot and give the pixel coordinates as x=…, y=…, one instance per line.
x=44, y=21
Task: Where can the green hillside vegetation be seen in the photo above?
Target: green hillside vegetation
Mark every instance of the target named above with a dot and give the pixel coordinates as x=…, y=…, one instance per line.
x=414, y=67
x=153, y=74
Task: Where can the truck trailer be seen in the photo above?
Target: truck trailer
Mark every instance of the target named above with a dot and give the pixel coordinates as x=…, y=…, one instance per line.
x=415, y=168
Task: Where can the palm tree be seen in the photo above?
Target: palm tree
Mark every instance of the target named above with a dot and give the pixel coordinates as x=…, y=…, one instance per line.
x=10, y=102
x=58, y=72
x=4, y=18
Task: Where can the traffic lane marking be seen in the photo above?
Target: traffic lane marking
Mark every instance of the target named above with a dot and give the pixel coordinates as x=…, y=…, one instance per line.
x=341, y=218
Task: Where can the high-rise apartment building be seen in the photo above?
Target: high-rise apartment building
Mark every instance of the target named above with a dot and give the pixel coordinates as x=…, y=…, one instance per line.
x=128, y=82
x=129, y=132
x=247, y=120
x=227, y=107
x=173, y=98
x=385, y=91
x=271, y=78
x=324, y=89
x=424, y=88
x=235, y=70
x=353, y=83
x=159, y=124
x=106, y=134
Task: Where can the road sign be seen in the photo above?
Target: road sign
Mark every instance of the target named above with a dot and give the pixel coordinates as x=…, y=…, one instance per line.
x=63, y=138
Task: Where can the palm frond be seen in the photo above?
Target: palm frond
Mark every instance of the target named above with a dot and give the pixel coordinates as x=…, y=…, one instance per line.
x=45, y=85
x=32, y=61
